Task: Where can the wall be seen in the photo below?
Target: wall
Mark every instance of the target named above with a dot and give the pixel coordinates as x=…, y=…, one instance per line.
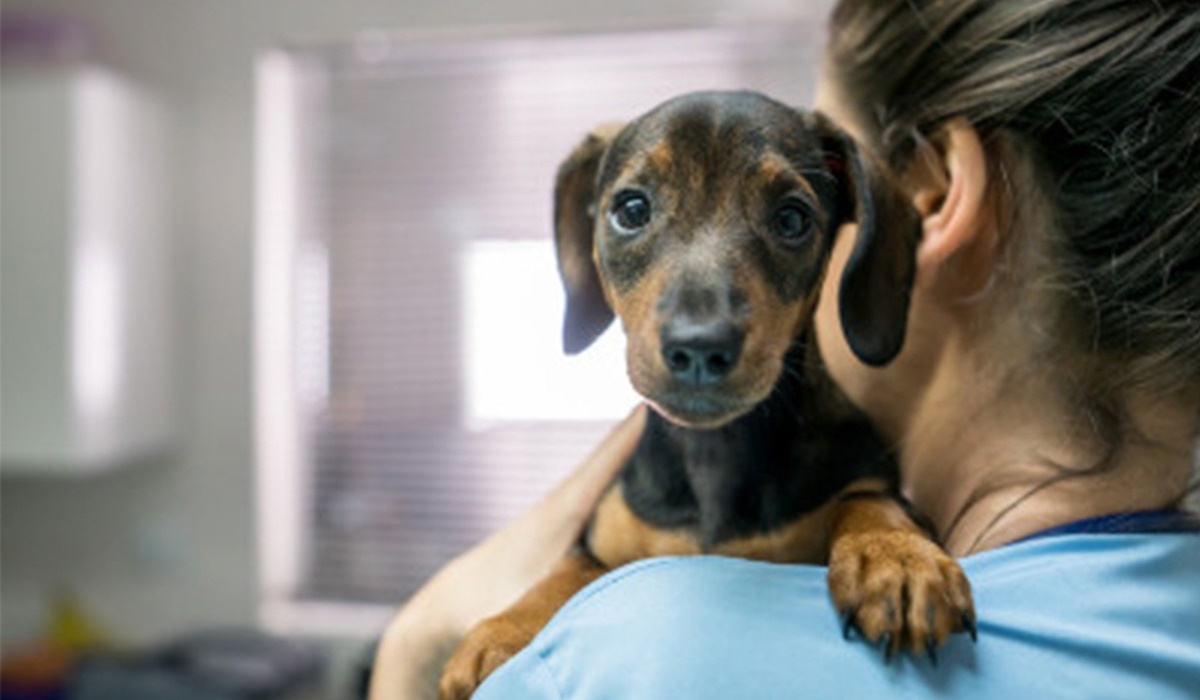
x=169, y=544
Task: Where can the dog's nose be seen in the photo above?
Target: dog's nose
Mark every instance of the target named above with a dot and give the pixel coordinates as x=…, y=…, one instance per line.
x=701, y=353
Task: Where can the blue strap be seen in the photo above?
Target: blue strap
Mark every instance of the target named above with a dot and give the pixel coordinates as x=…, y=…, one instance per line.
x=1140, y=522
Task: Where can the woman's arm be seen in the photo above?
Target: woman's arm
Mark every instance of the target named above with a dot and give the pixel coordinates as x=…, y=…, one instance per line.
x=490, y=576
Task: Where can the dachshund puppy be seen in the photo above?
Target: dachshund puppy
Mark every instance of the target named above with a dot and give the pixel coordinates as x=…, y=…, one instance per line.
x=705, y=227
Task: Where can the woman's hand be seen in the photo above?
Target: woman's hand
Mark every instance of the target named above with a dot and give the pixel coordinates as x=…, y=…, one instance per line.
x=491, y=575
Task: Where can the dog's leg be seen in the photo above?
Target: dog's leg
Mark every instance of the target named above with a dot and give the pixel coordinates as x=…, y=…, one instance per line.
x=890, y=580
x=499, y=638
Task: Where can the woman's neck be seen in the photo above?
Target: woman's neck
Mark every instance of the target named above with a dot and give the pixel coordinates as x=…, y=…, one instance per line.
x=993, y=456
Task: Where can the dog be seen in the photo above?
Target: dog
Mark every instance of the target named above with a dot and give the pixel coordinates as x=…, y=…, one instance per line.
x=705, y=226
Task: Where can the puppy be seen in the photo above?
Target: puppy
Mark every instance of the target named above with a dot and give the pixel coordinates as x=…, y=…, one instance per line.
x=705, y=227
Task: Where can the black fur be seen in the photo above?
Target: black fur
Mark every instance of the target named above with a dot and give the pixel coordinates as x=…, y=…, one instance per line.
x=786, y=457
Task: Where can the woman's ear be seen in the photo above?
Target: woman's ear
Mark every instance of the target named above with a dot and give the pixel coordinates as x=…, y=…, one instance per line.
x=951, y=196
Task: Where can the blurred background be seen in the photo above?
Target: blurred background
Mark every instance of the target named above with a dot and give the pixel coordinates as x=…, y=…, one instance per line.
x=280, y=318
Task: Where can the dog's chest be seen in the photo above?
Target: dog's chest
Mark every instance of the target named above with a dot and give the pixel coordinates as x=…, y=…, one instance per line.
x=741, y=480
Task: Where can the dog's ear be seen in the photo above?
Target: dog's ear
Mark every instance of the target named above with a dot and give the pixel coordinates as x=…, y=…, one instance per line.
x=588, y=312
x=876, y=285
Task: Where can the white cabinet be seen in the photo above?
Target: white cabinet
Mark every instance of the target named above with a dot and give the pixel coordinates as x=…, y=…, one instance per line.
x=85, y=357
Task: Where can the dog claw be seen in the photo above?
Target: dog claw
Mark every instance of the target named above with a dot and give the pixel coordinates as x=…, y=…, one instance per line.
x=931, y=650
x=887, y=648
x=968, y=622
x=848, y=624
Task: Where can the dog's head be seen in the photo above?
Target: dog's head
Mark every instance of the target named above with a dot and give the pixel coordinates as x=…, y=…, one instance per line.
x=705, y=226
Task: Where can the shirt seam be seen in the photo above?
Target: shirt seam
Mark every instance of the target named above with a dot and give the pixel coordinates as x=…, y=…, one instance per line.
x=614, y=577
x=546, y=668
x=983, y=565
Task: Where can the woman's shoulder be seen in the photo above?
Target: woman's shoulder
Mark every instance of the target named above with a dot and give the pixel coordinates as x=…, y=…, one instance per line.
x=1118, y=614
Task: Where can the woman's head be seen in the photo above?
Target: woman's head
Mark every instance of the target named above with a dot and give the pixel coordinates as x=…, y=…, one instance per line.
x=1089, y=113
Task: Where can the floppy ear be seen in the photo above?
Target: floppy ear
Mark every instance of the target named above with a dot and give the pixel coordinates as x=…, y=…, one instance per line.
x=876, y=285
x=588, y=312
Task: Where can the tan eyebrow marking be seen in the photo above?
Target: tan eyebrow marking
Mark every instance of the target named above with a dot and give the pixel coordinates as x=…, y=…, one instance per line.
x=773, y=167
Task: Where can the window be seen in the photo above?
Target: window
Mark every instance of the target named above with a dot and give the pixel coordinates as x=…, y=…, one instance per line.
x=411, y=391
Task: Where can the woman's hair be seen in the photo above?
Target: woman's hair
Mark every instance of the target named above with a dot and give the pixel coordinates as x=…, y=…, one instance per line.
x=1098, y=102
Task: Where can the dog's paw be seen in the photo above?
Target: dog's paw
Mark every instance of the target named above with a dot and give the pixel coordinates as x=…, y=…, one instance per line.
x=483, y=650
x=899, y=589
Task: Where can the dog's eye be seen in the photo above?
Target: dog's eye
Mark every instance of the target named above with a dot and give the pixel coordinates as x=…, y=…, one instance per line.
x=792, y=222
x=630, y=212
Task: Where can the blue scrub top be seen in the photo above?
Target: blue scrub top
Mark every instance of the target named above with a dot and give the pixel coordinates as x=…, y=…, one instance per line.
x=1068, y=615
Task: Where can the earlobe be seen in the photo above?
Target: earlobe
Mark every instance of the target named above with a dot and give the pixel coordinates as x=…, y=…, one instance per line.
x=952, y=200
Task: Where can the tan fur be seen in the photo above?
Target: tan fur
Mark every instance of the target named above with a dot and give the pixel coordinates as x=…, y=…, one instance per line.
x=495, y=640
x=617, y=536
x=897, y=584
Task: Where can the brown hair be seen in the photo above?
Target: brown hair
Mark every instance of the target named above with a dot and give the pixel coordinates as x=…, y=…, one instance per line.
x=1090, y=111
x=1102, y=98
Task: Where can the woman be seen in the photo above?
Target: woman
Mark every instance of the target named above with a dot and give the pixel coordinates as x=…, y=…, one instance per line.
x=1045, y=407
